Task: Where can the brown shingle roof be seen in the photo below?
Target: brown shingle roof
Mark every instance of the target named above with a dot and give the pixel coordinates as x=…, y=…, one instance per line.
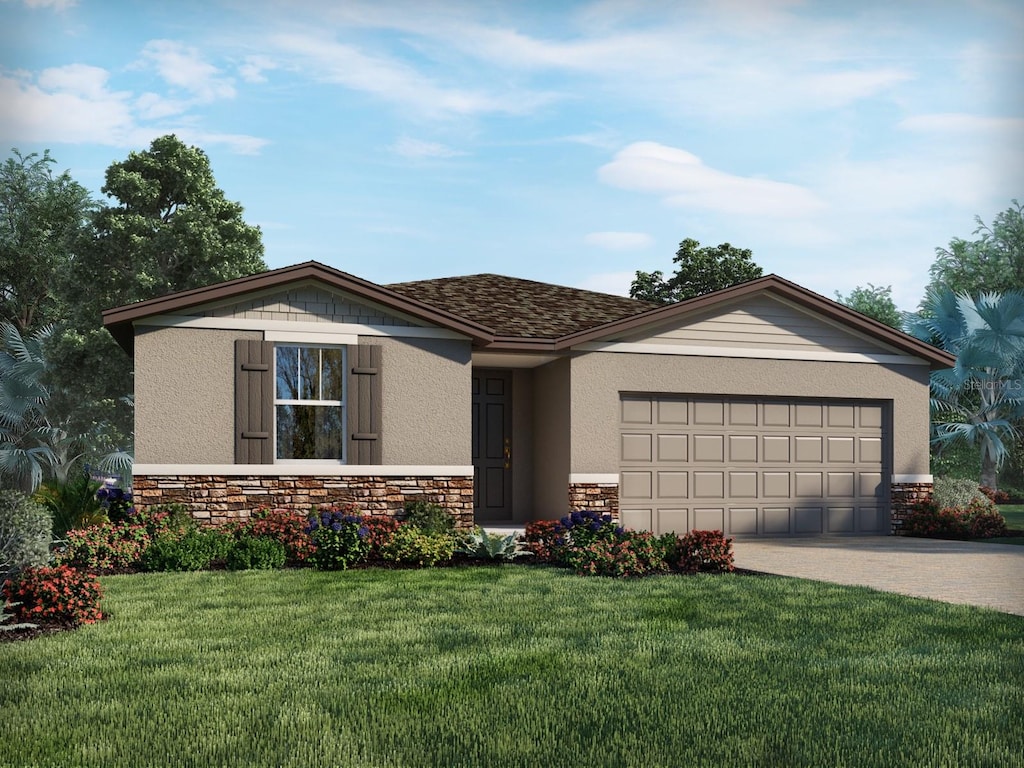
x=511, y=306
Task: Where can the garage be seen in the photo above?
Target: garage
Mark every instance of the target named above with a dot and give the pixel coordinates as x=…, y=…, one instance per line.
x=754, y=466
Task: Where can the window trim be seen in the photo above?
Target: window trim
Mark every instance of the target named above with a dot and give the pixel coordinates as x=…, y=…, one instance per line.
x=342, y=404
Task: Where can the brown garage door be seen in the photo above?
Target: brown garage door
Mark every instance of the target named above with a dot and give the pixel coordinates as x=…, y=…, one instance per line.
x=754, y=467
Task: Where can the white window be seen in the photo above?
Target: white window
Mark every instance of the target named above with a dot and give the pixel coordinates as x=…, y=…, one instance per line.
x=309, y=403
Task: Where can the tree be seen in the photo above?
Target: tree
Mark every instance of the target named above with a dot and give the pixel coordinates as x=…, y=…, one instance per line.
x=876, y=302
x=701, y=270
x=980, y=399
x=170, y=229
x=42, y=220
x=992, y=263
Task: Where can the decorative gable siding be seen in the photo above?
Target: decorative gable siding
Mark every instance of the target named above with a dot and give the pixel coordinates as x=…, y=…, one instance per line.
x=762, y=322
x=305, y=304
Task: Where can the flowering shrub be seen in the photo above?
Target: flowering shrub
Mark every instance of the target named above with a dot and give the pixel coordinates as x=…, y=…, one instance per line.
x=410, y=545
x=104, y=547
x=997, y=497
x=580, y=529
x=285, y=526
x=379, y=531
x=628, y=553
x=978, y=520
x=339, y=537
x=540, y=539
x=704, y=552
x=57, y=595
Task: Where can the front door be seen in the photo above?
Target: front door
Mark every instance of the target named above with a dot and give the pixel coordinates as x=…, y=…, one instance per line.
x=492, y=444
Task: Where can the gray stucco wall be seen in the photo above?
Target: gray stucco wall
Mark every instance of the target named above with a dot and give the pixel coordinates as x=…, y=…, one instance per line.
x=551, y=432
x=598, y=378
x=427, y=392
x=185, y=395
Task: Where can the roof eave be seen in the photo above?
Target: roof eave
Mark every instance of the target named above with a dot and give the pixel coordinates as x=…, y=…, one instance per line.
x=119, y=320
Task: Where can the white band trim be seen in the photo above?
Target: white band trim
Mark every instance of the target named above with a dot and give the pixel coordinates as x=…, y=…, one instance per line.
x=304, y=470
x=912, y=478
x=747, y=352
x=296, y=327
x=604, y=478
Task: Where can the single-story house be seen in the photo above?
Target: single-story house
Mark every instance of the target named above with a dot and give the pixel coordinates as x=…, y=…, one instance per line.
x=761, y=409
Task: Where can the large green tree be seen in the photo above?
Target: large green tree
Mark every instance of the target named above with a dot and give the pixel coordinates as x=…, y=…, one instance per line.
x=699, y=270
x=875, y=301
x=168, y=228
x=993, y=262
x=43, y=218
x=979, y=401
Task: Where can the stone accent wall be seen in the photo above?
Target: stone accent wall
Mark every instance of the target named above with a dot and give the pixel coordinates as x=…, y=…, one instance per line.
x=599, y=497
x=218, y=499
x=903, y=497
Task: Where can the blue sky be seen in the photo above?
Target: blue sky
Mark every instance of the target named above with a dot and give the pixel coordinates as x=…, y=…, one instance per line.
x=571, y=142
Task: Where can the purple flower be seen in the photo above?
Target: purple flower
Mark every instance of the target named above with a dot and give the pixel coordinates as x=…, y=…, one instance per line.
x=363, y=532
x=335, y=527
x=102, y=494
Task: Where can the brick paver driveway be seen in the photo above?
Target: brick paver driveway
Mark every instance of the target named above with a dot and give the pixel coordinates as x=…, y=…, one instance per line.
x=973, y=573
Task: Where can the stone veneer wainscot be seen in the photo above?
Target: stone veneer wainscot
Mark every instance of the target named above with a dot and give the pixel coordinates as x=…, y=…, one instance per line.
x=598, y=497
x=218, y=499
x=904, y=496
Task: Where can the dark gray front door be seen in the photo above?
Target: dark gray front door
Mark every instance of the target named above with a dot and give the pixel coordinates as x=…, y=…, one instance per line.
x=492, y=444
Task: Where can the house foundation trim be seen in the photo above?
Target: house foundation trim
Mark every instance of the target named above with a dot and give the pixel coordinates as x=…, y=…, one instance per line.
x=598, y=477
x=212, y=498
x=304, y=470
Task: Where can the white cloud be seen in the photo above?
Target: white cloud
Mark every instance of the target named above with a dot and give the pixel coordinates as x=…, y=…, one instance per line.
x=414, y=148
x=182, y=66
x=682, y=179
x=57, y=5
x=253, y=67
x=961, y=122
x=397, y=82
x=619, y=241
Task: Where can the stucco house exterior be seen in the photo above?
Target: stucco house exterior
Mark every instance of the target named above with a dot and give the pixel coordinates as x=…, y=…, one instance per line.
x=762, y=409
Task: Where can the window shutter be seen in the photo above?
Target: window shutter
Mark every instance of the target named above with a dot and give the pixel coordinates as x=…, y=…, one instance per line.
x=254, y=402
x=363, y=401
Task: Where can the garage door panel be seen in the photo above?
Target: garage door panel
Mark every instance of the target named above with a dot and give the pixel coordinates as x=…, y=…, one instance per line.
x=709, y=448
x=841, y=520
x=709, y=519
x=636, y=447
x=672, y=485
x=671, y=520
x=635, y=484
x=748, y=467
x=743, y=520
x=673, y=447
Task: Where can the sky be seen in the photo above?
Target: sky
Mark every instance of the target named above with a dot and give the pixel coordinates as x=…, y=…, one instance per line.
x=568, y=142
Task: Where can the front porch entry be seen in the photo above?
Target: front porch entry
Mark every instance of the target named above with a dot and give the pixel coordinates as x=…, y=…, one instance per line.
x=492, y=445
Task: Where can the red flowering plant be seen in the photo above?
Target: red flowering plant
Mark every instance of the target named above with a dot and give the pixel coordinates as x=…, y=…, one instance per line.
x=998, y=497
x=628, y=553
x=105, y=547
x=704, y=552
x=978, y=520
x=60, y=595
x=285, y=526
x=540, y=538
x=379, y=532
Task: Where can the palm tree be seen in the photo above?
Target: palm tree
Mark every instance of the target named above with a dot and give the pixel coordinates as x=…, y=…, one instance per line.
x=980, y=400
x=26, y=435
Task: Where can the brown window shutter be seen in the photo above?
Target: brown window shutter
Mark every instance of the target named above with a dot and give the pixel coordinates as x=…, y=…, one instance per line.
x=363, y=401
x=254, y=402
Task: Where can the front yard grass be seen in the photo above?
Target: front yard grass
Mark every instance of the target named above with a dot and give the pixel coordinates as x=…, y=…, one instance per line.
x=514, y=666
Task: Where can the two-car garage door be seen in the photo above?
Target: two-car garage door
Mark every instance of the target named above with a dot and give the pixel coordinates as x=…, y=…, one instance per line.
x=754, y=466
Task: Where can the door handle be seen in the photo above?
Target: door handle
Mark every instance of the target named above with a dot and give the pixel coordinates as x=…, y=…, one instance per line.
x=508, y=453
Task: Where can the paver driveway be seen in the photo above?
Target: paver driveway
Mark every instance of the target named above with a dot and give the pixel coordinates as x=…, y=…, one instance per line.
x=989, y=575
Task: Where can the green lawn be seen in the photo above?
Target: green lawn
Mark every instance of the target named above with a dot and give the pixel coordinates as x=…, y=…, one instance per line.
x=514, y=666
x=1014, y=514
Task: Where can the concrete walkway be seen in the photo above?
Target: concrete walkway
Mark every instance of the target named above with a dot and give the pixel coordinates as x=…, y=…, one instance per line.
x=967, y=572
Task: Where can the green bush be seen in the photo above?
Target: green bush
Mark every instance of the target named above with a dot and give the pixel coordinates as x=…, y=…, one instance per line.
x=428, y=517
x=197, y=550
x=629, y=553
x=72, y=503
x=412, y=546
x=482, y=545
x=256, y=553
x=284, y=525
x=957, y=492
x=26, y=529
